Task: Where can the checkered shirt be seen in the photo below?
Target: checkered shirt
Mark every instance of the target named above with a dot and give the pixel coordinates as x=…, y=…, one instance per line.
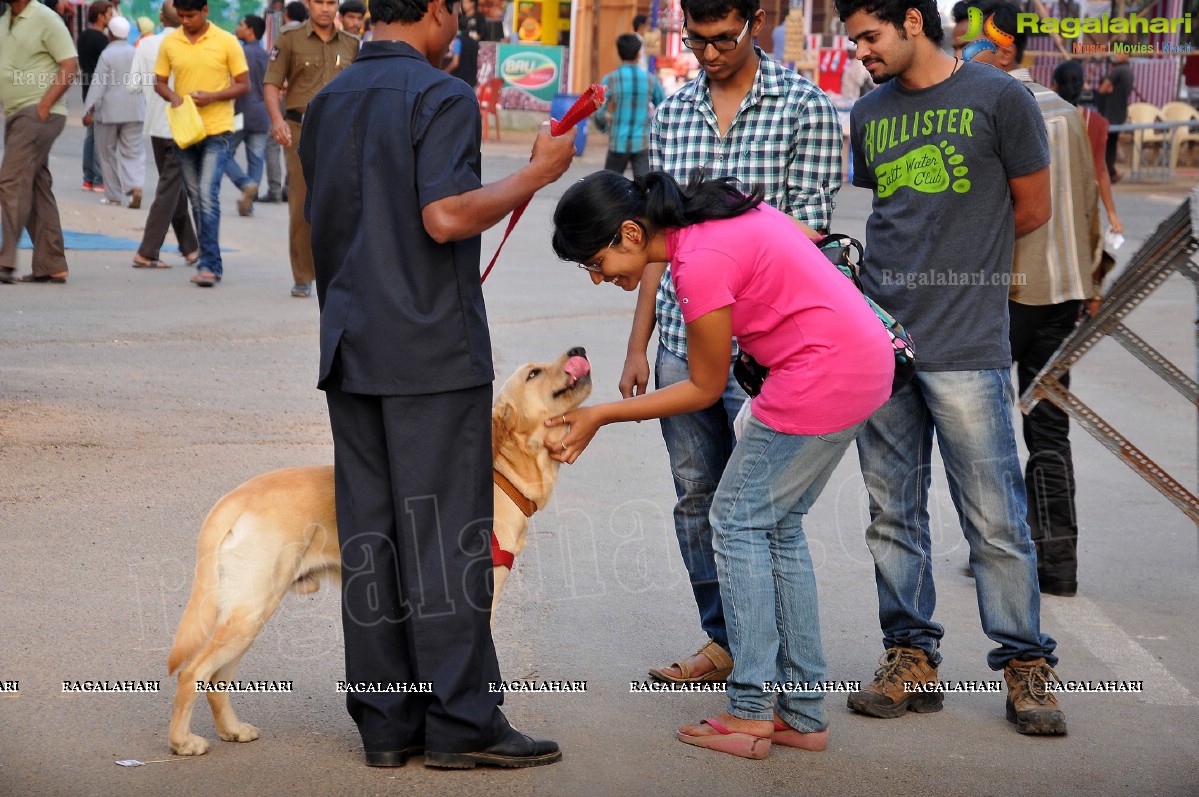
x=785, y=137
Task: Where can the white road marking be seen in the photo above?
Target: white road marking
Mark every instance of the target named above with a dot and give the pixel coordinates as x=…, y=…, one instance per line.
x=1105, y=640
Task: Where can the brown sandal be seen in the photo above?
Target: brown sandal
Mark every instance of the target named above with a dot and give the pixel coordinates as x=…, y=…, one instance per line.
x=143, y=263
x=713, y=652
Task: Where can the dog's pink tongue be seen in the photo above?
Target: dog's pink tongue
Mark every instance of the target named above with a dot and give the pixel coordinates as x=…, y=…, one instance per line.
x=577, y=367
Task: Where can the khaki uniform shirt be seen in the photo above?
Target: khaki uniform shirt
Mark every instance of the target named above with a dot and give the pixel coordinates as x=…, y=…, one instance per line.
x=305, y=63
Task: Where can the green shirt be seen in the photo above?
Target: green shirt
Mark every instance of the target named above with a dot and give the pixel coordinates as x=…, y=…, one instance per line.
x=31, y=48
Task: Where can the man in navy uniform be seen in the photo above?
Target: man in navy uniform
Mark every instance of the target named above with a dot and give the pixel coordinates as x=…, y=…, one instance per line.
x=406, y=368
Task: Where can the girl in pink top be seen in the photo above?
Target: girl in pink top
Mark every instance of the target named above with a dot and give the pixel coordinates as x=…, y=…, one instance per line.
x=742, y=268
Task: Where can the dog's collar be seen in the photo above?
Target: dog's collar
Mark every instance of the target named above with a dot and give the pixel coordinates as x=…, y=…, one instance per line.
x=524, y=504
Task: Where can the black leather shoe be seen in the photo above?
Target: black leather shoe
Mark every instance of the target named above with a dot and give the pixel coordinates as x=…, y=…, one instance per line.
x=513, y=749
x=268, y=198
x=391, y=758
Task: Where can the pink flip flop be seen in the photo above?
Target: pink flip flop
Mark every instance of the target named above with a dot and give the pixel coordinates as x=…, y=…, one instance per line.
x=784, y=734
x=745, y=745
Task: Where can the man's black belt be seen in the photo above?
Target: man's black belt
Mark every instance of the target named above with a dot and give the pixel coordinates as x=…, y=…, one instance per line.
x=295, y=116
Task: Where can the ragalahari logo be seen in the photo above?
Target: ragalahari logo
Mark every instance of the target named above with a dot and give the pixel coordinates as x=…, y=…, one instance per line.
x=992, y=37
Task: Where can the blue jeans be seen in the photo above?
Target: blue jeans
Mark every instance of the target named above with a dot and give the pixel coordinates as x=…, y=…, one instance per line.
x=699, y=445
x=203, y=167
x=766, y=575
x=255, y=154
x=91, y=167
x=972, y=416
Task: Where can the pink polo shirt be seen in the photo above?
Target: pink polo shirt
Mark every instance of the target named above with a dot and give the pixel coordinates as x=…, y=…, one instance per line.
x=830, y=358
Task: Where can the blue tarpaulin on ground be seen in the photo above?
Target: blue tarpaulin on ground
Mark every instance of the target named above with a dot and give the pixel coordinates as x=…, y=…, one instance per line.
x=95, y=241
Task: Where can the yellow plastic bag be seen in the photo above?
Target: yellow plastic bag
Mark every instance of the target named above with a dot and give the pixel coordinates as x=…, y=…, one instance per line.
x=187, y=127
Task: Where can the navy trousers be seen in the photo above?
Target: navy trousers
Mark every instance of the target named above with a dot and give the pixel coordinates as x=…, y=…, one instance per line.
x=414, y=515
x=1036, y=333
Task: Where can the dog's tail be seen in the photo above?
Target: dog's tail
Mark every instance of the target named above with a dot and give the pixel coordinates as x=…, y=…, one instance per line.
x=199, y=617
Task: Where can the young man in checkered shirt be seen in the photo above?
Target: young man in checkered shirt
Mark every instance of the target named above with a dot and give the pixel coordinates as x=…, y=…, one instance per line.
x=749, y=117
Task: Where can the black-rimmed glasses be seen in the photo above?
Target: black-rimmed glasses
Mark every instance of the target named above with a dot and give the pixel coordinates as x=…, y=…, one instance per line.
x=722, y=44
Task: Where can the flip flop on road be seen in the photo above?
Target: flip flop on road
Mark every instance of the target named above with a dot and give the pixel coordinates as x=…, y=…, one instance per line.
x=784, y=734
x=141, y=262
x=205, y=278
x=745, y=745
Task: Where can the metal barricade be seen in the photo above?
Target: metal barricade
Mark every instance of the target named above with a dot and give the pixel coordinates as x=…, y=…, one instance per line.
x=1169, y=250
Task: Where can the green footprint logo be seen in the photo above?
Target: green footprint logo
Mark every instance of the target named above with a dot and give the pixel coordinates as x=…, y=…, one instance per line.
x=926, y=169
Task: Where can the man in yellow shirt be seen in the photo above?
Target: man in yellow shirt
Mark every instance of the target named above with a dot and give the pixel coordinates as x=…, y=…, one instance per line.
x=37, y=61
x=209, y=65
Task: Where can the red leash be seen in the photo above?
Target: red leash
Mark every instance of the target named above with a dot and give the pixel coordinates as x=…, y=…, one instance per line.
x=588, y=103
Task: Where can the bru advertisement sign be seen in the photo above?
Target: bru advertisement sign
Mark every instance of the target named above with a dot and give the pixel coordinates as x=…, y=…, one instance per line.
x=534, y=69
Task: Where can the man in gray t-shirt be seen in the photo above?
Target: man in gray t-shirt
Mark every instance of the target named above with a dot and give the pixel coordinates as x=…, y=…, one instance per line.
x=939, y=160
x=957, y=158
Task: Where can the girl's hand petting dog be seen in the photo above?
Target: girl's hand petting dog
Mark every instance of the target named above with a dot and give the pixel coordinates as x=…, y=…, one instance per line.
x=581, y=425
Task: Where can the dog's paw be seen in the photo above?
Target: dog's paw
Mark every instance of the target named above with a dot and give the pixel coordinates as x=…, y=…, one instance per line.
x=241, y=732
x=192, y=745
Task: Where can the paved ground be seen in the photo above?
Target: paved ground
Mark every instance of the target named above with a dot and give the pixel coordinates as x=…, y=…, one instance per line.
x=131, y=400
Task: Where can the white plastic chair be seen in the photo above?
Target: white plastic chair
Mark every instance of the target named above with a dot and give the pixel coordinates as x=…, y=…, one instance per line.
x=1141, y=113
x=1180, y=112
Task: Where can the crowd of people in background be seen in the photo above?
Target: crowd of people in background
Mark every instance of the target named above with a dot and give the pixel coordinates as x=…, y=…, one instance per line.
x=116, y=60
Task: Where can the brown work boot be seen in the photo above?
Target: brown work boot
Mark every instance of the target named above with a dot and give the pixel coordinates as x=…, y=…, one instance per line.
x=1030, y=702
x=905, y=681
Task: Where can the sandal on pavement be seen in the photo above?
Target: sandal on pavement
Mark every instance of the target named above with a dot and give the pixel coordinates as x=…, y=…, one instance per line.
x=57, y=279
x=745, y=745
x=193, y=258
x=141, y=262
x=204, y=278
x=6, y=276
x=721, y=661
x=784, y=734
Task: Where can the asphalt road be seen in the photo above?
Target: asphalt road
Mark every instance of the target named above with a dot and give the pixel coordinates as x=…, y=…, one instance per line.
x=131, y=400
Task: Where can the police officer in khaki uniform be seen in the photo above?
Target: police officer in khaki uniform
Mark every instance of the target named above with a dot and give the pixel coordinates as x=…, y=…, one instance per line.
x=303, y=60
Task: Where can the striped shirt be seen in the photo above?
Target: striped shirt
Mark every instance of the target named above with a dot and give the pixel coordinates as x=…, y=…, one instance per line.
x=1054, y=262
x=785, y=137
x=630, y=91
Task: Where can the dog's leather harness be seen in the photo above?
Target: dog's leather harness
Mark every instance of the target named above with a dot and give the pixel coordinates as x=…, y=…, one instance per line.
x=500, y=557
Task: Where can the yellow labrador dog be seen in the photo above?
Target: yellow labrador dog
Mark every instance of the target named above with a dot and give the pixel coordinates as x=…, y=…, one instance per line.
x=278, y=532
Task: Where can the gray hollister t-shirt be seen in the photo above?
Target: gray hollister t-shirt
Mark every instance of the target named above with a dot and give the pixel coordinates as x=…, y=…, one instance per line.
x=940, y=239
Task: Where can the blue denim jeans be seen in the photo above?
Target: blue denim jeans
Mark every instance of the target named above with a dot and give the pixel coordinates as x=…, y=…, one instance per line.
x=91, y=165
x=203, y=167
x=766, y=576
x=699, y=445
x=255, y=154
x=971, y=413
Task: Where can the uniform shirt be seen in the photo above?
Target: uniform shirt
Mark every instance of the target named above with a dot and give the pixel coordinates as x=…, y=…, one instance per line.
x=31, y=48
x=207, y=65
x=403, y=313
x=830, y=358
x=786, y=137
x=306, y=63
